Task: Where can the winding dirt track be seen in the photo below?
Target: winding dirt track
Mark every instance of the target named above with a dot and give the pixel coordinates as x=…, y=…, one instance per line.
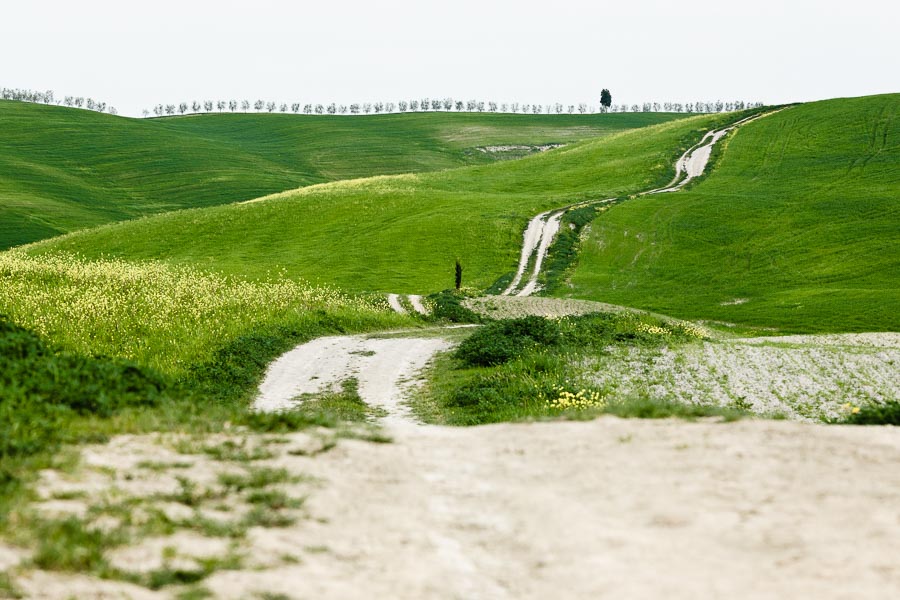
x=542, y=229
x=383, y=368
x=618, y=509
x=611, y=508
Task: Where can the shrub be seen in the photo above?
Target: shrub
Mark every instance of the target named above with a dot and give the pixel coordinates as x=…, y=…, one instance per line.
x=448, y=305
x=886, y=413
x=497, y=396
x=502, y=341
x=41, y=388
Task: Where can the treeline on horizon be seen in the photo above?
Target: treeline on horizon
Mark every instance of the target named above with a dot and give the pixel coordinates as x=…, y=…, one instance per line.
x=421, y=105
x=49, y=97
x=436, y=105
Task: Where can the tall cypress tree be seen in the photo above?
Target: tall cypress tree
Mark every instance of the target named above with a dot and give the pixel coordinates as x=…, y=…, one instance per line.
x=605, y=98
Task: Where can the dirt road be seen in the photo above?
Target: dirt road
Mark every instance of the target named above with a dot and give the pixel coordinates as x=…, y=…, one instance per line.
x=607, y=509
x=542, y=229
x=619, y=509
x=383, y=367
x=612, y=508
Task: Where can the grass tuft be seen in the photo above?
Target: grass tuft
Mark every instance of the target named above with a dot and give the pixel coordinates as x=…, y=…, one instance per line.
x=885, y=413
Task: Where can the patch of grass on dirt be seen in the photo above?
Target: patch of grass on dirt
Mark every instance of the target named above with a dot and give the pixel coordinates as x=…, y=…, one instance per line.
x=272, y=596
x=153, y=465
x=274, y=499
x=338, y=406
x=8, y=588
x=233, y=451
x=68, y=545
x=168, y=575
x=262, y=516
x=190, y=493
x=253, y=478
x=195, y=593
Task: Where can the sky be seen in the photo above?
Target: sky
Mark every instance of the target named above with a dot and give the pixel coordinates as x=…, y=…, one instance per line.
x=137, y=55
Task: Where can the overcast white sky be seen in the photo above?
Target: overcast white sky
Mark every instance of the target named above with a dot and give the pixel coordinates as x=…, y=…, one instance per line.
x=135, y=55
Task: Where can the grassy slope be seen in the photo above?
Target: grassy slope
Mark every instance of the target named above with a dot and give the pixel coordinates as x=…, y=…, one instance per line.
x=64, y=169
x=800, y=217
x=399, y=233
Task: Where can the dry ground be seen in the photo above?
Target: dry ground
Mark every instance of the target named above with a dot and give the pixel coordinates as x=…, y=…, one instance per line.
x=608, y=509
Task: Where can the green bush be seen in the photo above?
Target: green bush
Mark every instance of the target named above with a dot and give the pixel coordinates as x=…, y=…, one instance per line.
x=40, y=389
x=502, y=341
x=448, y=305
x=887, y=413
x=497, y=396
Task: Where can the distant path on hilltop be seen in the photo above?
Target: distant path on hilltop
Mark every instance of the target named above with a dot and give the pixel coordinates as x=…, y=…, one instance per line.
x=542, y=229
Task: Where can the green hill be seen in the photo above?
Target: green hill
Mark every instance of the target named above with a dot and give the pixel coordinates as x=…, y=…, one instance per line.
x=398, y=233
x=63, y=169
x=797, y=228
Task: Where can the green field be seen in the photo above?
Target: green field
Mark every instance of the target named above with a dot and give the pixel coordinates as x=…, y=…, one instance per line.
x=794, y=228
x=398, y=233
x=63, y=169
x=797, y=228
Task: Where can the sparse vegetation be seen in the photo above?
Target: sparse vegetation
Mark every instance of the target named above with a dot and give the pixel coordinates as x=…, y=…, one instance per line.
x=254, y=478
x=67, y=545
x=343, y=405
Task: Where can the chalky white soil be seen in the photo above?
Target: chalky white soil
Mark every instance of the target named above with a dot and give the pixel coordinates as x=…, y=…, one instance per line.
x=605, y=509
x=801, y=377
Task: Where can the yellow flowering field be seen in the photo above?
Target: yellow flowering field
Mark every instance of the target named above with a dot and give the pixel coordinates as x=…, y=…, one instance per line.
x=161, y=316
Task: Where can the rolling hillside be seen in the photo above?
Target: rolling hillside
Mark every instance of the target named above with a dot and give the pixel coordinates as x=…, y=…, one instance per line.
x=63, y=169
x=398, y=233
x=797, y=228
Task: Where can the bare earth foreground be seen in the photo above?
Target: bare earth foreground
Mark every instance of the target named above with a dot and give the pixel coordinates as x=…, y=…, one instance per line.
x=613, y=508
x=604, y=509
x=610, y=509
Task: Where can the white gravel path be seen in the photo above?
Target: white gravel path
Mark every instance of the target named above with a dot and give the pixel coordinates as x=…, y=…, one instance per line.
x=384, y=368
x=417, y=305
x=548, y=233
x=531, y=240
x=693, y=162
x=394, y=302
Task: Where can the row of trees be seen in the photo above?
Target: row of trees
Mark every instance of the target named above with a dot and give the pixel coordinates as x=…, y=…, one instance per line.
x=419, y=105
x=445, y=105
x=49, y=97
